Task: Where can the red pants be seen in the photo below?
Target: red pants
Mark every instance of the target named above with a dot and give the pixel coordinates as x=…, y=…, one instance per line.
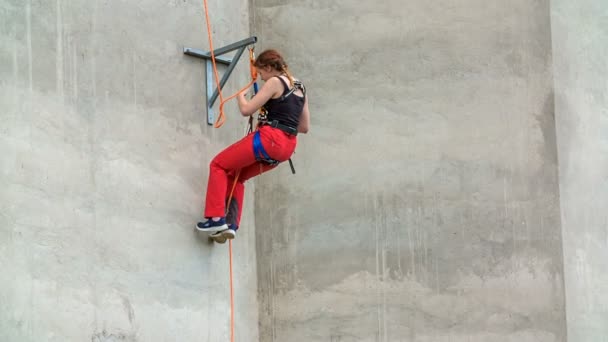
x=239, y=156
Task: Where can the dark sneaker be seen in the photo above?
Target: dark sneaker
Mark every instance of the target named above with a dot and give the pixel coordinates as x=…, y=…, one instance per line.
x=217, y=237
x=211, y=226
x=226, y=234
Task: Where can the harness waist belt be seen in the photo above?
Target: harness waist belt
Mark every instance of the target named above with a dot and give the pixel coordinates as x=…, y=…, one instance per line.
x=284, y=128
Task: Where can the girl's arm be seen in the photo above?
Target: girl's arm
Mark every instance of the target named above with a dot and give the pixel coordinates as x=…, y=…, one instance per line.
x=271, y=88
x=304, y=123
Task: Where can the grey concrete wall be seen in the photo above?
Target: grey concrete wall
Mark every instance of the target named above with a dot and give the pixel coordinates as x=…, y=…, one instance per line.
x=580, y=32
x=104, y=164
x=425, y=207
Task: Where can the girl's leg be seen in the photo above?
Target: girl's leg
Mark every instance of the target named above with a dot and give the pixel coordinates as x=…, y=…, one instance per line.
x=236, y=200
x=278, y=146
x=240, y=155
x=236, y=156
x=238, y=194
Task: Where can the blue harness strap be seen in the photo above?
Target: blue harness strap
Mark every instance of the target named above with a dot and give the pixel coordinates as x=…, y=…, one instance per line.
x=259, y=152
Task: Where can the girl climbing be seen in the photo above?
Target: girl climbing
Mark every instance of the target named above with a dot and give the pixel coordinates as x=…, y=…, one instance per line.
x=284, y=106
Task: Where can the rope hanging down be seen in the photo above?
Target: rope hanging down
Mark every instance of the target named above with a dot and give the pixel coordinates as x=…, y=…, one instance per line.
x=236, y=179
x=222, y=118
x=219, y=122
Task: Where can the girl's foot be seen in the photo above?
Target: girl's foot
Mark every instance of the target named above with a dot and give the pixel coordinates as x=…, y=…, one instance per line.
x=226, y=234
x=211, y=226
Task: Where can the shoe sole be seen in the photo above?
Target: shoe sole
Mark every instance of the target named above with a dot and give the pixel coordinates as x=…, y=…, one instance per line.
x=221, y=237
x=211, y=229
x=229, y=234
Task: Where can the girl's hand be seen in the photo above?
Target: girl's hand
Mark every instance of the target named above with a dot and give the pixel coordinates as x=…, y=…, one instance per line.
x=241, y=98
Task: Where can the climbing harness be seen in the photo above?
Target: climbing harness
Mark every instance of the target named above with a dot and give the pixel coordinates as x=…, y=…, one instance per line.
x=258, y=148
x=275, y=124
x=260, y=152
x=297, y=85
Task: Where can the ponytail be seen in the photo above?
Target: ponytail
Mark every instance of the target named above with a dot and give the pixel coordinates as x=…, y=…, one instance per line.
x=288, y=74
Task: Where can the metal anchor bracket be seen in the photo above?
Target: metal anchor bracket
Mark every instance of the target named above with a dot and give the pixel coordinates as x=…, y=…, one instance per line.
x=213, y=93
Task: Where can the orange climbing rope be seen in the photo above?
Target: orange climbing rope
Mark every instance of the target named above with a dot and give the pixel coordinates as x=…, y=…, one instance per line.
x=231, y=294
x=230, y=262
x=221, y=117
x=219, y=122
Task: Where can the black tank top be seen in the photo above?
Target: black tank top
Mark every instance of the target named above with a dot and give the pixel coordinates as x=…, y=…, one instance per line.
x=285, y=110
